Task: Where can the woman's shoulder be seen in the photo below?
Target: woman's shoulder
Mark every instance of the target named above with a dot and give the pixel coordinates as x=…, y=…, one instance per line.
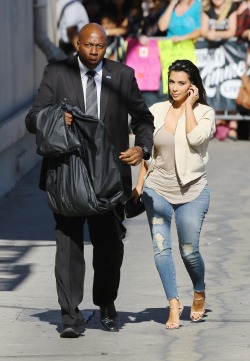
x=211, y=13
x=196, y=4
x=159, y=106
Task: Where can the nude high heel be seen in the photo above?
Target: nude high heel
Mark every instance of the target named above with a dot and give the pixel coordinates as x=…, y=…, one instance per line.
x=175, y=325
x=197, y=315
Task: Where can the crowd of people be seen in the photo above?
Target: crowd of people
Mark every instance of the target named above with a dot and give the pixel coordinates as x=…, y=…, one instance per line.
x=177, y=20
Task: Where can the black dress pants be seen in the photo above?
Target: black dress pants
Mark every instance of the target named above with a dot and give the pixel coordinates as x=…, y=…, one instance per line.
x=106, y=233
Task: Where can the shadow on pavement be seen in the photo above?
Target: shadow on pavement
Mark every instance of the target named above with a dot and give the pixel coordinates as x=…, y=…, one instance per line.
x=92, y=317
x=24, y=219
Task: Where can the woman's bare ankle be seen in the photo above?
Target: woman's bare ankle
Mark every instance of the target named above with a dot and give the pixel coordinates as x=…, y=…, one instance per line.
x=198, y=301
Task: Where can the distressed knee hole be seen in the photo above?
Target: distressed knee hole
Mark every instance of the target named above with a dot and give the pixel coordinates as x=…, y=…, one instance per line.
x=159, y=239
x=156, y=220
x=187, y=249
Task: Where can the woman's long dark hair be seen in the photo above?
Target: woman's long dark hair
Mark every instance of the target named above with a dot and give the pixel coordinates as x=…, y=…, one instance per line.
x=193, y=74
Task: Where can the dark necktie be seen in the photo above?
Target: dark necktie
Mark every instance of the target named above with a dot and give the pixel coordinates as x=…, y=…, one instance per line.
x=91, y=95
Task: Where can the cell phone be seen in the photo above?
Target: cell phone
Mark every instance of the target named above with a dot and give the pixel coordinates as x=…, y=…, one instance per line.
x=189, y=91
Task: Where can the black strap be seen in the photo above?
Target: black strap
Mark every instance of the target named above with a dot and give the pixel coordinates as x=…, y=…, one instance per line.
x=63, y=9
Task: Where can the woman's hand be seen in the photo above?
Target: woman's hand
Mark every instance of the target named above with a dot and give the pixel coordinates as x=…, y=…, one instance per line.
x=174, y=2
x=143, y=40
x=136, y=193
x=193, y=95
x=211, y=35
x=176, y=38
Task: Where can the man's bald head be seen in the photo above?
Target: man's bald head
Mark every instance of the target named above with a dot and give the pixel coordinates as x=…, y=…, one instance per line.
x=92, y=28
x=91, y=45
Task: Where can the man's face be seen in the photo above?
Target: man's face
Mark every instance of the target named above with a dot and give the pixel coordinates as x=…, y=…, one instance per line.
x=91, y=47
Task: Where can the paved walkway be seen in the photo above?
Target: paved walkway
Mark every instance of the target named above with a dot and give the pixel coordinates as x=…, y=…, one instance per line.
x=29, y=314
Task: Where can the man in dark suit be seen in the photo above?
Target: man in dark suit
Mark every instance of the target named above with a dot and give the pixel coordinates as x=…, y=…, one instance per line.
x=118, y=96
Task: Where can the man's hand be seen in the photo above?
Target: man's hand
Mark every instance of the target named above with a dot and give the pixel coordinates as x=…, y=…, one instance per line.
x=132, y=156
x=68, y=119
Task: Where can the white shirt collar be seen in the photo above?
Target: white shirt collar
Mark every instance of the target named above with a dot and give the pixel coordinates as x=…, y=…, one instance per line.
x=84, y=69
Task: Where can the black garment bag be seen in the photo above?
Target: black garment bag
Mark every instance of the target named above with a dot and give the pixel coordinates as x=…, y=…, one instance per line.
x=83, y=176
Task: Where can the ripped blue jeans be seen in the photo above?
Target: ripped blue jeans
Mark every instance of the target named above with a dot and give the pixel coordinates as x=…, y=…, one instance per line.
x=189, y=219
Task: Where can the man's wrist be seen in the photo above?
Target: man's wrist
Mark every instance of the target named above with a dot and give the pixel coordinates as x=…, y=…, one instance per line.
x=145, y=151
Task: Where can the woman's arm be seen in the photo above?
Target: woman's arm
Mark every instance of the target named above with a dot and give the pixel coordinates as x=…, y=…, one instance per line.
x=193, y=96
x=246, y=35
x=243, y=22
x=204, y=24
x=204, y=129
x=140, y=181
x=164, y=20
x=191, y=36
x=119, y=30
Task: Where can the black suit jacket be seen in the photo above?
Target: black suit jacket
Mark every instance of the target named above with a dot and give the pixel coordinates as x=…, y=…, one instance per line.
x=120, y=96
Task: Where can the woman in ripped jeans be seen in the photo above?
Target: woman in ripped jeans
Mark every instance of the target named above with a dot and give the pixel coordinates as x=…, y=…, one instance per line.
x=174, y=180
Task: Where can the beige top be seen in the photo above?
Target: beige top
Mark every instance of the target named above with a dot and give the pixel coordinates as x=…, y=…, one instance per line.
x=190, y=153
x=163, y=178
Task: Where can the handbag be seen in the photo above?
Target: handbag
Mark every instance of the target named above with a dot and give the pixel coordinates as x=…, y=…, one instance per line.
x=243, y=97
x=133, y=209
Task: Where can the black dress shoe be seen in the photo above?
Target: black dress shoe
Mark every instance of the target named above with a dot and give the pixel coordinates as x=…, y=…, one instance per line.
x=70, y=331
x=109, y=318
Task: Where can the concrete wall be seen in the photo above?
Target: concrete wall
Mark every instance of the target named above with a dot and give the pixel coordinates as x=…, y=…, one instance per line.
x=21, y=68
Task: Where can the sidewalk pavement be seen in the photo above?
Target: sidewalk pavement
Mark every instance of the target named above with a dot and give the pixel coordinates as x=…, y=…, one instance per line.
x=29, y=312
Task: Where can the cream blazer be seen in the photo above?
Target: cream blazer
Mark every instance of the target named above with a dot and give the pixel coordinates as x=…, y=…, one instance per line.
x=191, y=153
